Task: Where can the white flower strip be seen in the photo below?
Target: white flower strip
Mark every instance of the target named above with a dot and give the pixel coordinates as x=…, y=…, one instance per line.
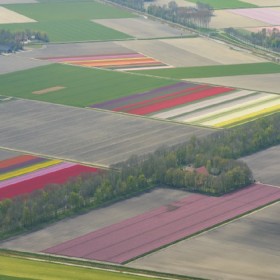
x=201, y=104
x=228, y=107
x=243, y=112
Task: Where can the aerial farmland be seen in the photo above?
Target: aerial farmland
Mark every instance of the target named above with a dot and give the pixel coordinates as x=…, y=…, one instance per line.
x=139, y=139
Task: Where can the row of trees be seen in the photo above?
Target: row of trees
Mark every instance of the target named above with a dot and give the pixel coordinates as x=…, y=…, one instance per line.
x=199, y=16
x=266, y=38
x=14, y=41
x=165, y=167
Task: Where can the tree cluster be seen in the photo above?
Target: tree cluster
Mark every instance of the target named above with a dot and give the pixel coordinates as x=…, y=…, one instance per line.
x=165, y=167
x=266, y=38
x=199, y=16
x=15, y=40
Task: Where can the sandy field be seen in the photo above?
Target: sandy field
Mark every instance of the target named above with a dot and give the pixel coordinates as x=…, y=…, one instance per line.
x=263, y=82
x=190, y=52
x=85, y=135
x=142, y=28
x=225, y=19
x=93, y=220
x=47, y=90
x=8, y=16
x=16, y=62
x=265, y=165
x=246, y=249
x=264, y=3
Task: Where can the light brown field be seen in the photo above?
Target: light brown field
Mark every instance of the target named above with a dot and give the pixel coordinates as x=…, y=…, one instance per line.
x=190, y=52
x=264, y=3
x=225, y=19
x=246, y=249
x=46, y=90
x=8, y=16
x=263, y=82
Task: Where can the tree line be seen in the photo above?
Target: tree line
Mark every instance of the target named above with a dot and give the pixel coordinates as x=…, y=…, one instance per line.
x=266, y=38
x=14, y=41
x=194, y=17
x=166, y=167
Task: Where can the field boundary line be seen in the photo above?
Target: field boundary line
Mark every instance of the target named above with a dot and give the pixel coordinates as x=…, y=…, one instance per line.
x=115, y=268
x=86, y=163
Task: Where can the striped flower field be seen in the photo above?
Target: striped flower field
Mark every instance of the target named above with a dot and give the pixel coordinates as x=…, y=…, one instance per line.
x=197, y=104
x=26, y=173
x=128, y=61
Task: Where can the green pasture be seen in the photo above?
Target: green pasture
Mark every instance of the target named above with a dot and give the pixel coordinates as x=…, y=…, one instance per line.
x=83, y=86
x=225, y=4
x=12, y=268
x=215, y=70
x=69, y=21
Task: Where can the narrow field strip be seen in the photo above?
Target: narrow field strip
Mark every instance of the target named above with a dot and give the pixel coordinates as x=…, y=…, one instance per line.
x=231, y=107
x=247, y=117
x=15, y=160
x=245, y=111
x=180, y=100
x=139, y=235
x=199, y=105
x=162, y=98
x=29, y=169
x=110, y=61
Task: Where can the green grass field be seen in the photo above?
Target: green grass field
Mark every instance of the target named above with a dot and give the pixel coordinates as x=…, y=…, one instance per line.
x=215, y=70
x=226, y=4
x=83, y=86
x=69, y=21
x=15, y=268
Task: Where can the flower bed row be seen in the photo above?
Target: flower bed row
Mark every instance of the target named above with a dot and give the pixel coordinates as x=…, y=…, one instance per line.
x=23, y=174
x=111, y=61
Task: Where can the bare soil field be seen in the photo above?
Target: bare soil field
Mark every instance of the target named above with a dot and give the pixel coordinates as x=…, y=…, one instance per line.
x=93, y=220
x=17, y=62
x=85, y=135
x=190, y=52
x=246, y=249
x=265, y=165
x=8, y=16
x=142, y=28
x=263, y=82
x=77, y=49
x=225, y=19
x=264, y=3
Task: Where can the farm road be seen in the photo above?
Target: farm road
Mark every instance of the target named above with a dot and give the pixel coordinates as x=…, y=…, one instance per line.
x=73, y=227
x=265, y=165
x=246, y=249
x=85, y=135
